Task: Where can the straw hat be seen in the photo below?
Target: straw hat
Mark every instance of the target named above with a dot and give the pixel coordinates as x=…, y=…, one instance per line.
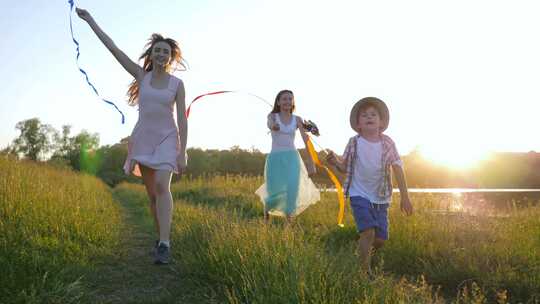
x=371, y=101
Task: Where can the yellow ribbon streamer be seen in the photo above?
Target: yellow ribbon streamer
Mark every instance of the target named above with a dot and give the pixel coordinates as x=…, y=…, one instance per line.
x=332, y=177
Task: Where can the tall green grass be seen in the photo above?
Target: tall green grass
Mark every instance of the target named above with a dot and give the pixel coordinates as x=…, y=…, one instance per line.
x=54, y=225
x=220, y=239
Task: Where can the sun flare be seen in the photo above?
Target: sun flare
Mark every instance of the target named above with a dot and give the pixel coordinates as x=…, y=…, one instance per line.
x=457, y=157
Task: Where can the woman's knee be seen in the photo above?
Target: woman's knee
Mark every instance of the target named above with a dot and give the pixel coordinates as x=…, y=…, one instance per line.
x=162, y=182
x=162, y=187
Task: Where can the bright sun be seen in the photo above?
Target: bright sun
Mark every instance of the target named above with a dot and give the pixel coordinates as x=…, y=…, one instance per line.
x=458, y=157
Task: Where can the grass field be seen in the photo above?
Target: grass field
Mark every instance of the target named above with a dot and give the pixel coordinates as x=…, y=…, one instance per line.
x=54, y=226
x=220, y=238
x=57, y=228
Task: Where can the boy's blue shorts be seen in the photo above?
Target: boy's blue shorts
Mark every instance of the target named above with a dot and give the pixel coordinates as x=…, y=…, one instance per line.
x=368, y=215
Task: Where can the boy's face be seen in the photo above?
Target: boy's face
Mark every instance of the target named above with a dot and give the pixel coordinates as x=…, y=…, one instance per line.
x=369, y=120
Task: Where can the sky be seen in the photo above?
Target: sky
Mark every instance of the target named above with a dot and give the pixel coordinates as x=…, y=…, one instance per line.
x=459, y=77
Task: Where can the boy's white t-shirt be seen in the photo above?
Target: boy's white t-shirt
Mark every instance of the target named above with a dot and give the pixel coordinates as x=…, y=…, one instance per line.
x=368, y=171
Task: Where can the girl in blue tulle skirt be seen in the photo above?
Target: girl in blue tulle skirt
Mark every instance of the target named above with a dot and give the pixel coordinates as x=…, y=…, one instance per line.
x=287, y=190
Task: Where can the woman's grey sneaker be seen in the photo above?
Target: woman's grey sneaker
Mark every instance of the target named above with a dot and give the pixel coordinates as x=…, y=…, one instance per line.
x=153, y=252
x=163, y=254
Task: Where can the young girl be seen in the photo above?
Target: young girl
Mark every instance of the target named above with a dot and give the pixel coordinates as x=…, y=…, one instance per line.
x=288, y=190
x=157, y=147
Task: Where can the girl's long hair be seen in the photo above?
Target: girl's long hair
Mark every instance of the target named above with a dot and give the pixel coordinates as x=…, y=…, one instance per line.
x=276, y=108
x=176, y=63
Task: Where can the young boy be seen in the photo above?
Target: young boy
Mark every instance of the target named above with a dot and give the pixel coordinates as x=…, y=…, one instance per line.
x=367, y=161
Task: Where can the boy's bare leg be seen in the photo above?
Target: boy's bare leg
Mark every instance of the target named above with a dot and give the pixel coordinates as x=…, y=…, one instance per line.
x=378, y=243
x=365, y=244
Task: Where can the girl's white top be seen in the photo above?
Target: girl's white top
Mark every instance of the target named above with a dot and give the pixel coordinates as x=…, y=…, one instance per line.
x=283, y=140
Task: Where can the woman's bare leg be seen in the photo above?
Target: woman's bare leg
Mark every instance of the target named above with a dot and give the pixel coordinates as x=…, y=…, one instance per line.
x=149, y=179
x=164, y=204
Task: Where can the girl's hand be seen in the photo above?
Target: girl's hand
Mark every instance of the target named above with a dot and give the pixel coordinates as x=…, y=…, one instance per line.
x=272, y=122
x=84, y=14
x=181, y=162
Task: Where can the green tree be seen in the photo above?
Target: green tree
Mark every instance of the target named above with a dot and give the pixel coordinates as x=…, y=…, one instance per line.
x=63, y=142
x=82, y=152
x=35, y=139
x=111, y=169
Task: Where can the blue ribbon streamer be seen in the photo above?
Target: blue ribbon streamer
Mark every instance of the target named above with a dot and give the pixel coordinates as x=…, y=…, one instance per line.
x=78, y=66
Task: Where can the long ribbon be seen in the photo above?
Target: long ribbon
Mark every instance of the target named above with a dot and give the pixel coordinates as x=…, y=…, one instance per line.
x=71, y=4
x=188, y=110
x=333, y=178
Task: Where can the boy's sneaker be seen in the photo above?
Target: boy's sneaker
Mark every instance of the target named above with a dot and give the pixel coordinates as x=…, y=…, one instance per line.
x=163, y=253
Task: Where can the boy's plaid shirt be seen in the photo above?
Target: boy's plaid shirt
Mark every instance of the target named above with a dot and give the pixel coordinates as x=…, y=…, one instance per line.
x=389, y=156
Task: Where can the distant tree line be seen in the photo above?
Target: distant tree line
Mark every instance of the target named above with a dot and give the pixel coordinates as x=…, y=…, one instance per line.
x=81, y=152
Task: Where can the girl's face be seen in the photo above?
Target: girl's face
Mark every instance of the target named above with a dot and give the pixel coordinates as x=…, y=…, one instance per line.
x=161, y=54
x=369, y=120
x=285, y=102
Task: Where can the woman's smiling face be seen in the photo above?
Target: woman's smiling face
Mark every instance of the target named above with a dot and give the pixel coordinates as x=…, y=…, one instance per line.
x=161, y=54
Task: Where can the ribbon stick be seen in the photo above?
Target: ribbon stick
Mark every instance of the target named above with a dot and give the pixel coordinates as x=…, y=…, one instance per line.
x=333, y=178
x=71, y=4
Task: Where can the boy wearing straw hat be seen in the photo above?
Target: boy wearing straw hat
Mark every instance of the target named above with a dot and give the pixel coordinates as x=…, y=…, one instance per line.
x=367, y=161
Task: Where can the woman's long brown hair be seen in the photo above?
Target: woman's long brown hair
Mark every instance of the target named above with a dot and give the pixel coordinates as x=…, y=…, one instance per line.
x=176, y=63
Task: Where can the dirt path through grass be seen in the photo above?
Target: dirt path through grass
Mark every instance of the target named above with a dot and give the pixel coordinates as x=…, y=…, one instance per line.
x=131, y=277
